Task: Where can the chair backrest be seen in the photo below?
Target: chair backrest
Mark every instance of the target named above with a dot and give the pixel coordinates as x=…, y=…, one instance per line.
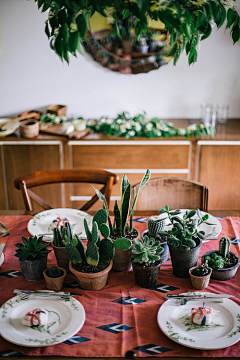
x=175, y=192
x=25, y=182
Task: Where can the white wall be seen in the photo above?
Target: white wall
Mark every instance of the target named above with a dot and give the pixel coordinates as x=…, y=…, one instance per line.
x=32, y=76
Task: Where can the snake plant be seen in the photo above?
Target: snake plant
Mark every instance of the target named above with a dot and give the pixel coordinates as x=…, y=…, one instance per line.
x=122, y=213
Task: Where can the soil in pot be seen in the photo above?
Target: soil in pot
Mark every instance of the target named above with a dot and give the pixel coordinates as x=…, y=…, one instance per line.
x=84, y=267
x=56, y=283
x=229, y=268
x=163, y=241
x=91, y=281
x=122, y=260
x=200, y=282
x=146, y=275
x=182, y=261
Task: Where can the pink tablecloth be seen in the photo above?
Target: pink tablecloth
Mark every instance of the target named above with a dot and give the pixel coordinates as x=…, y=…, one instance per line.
x=122, y=316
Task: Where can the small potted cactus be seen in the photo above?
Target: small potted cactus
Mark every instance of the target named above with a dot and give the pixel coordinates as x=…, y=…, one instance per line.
x=32, y=257
x=122, y=233
x=146, y=261
x=156, y=224
x=91, y=266
x=59, y=246
x=224, y=263
x=200, y=276
x=54, y=277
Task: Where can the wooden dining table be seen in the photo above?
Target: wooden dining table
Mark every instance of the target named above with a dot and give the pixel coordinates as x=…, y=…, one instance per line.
x=121, y=320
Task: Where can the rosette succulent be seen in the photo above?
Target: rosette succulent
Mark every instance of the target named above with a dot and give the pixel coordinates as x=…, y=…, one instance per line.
x=147, y=251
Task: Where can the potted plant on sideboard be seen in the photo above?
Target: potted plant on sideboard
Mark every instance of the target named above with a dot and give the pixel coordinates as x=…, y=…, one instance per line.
x=146, y=261
x=121, y=232
x=224, y=263
x=54, y=277
x=32, y=257
x=91, y=267
x=184, y=239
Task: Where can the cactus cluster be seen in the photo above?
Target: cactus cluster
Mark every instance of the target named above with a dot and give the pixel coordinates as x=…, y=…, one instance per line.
x=54, y=272
x=147, y=251
x=60, y=234
x=224, y=246
x=32, y=249
x=97, y=249
x=155, y=225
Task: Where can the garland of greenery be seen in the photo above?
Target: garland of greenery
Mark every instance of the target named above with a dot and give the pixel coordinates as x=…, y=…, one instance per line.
x=187, y=21
x=139, y=126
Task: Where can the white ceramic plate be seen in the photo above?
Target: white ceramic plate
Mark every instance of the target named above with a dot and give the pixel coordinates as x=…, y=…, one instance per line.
x=42, y=223
x=175, y=322
x=66, y=318
x=214, y=229
x=9, y=128
x=1, y=259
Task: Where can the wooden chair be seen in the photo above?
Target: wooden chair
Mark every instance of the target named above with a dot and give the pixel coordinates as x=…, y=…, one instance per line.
x=175, y=192
x=25, y=182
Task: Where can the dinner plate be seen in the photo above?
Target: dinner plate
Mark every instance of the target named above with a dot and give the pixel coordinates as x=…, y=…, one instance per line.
x=175, y=322
x=9, y=128
x=65, y=319
x=42, y=223
x=213, y=229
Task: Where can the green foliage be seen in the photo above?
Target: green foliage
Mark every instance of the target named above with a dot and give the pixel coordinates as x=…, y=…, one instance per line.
x=187, y=21
x=54, y=272
x=121, y=214
x=140, y=126
x=202, y=270
x=224, y=246
x=60, y=234
x=184, y=230
x=32, y=249
x=97, y=249
x=155, y=225
x=215, y=261
x=147, y=251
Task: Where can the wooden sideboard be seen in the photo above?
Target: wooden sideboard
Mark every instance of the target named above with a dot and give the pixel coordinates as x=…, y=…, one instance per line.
x=213, y=162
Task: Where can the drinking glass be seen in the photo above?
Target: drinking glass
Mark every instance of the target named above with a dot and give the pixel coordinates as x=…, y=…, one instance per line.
x=205, y=110
x=222, y=114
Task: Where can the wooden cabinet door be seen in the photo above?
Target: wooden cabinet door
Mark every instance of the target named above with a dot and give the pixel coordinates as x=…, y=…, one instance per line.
x=219, y=169
x=22, y=158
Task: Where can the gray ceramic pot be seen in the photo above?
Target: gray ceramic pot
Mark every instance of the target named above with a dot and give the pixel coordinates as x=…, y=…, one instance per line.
x=33, y=270
x=222, y=274
x=182, y=261
x=164, y=245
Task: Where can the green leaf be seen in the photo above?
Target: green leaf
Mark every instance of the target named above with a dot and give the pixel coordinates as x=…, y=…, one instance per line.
x=82, y=25
x=173, y=49
x=191, y=214
x=47, y=32
x=58, y=46
x=167, y=208
x=190, y=243
x=124, y=209
x=73, y=41
x=184, y=247
x=125, y=14
x=116, y=212
x=122, y=244
x=124, y=185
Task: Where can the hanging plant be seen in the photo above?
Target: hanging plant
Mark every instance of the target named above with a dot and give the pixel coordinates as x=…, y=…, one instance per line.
x=187, y=21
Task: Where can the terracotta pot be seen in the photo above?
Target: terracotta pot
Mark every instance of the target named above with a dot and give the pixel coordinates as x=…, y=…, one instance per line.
x=91, y=281
x=146, y=276
x=61, y=256
x=33, y=270
x=200, y=282
x=122, y=260
x=182, y=260
x=55, y=284
x=222, y=274
x=29, y=128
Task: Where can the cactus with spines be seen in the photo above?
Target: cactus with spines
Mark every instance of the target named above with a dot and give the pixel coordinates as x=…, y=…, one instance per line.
x=60, y=234
x=54, y=272
x=97, y=249
x=155, y=225
x=224, y=246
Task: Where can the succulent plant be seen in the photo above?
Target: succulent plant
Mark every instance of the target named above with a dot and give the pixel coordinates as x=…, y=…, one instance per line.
x=32, y=249
x=215, y=261
x=155, y=225
x=54, y=272
x=224, y=246
x=147, y=251
x=184, y=230
x=201, y=270
x=59, y=234
x=121, y=214
x=97, y=249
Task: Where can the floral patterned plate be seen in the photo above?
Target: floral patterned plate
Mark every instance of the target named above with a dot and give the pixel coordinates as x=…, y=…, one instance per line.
x=175, y=322
x=214, y=229
x=65, y=319
x=42, y=223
